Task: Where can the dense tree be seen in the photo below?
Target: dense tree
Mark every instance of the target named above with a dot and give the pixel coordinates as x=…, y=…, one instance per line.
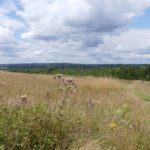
x=121, y=72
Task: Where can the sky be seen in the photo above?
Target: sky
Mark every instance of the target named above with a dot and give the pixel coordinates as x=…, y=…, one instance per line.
x=75, y=31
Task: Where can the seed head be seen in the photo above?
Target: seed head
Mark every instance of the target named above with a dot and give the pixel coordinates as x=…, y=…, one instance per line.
x=69, y=82
x=23, y=99
x=3, y=84
x=58, y=76
x=91, y=103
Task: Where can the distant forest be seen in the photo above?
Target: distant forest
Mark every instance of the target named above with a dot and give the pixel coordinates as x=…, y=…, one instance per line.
x=130, y=72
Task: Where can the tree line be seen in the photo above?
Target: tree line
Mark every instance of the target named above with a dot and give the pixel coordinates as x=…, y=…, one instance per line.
x=121, y=72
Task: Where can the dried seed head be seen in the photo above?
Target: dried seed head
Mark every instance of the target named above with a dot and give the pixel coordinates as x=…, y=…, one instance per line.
x=72, y=86
x=58, y=76
x=69, y=82
x=3, y=84
x=60, y=88
x=91, y=103
x=23, y=99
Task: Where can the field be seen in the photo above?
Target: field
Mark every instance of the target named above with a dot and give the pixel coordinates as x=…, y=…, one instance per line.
x=41, y=112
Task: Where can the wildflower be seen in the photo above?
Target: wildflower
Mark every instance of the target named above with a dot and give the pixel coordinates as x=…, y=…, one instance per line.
x=122, y=121
x=125, y=106
x=113, y=125
x=118, y=112
x=131, y=126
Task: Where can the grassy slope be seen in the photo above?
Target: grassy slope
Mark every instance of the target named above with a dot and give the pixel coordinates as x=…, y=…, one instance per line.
x=118, y=119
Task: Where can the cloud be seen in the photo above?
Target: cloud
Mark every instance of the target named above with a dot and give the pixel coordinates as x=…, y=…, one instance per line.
x=133, y=40
x=61, y=18
x=6, y=35
x=131, y=46
x=6, y=20
x=78, y=31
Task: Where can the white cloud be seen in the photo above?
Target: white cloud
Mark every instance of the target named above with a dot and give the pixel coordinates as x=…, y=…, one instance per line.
x=78, y=31
x=131, y=46
x=133, y=40
x=6, y=35
x=48, y=18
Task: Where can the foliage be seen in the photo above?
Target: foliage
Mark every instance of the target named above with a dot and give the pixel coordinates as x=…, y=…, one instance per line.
x=121, y=72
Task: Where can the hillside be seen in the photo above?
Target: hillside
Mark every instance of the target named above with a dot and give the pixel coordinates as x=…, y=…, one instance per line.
x=78, y=113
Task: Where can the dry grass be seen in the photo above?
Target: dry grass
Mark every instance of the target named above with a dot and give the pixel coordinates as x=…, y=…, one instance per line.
x=102, y=114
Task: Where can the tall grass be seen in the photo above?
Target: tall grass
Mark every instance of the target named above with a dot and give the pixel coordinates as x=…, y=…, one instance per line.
x=73, y=114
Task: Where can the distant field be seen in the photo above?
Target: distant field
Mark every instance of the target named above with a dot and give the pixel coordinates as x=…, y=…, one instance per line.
x=78, y=113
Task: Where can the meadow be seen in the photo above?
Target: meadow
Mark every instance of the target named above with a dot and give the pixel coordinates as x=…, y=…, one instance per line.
x=47, y=112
